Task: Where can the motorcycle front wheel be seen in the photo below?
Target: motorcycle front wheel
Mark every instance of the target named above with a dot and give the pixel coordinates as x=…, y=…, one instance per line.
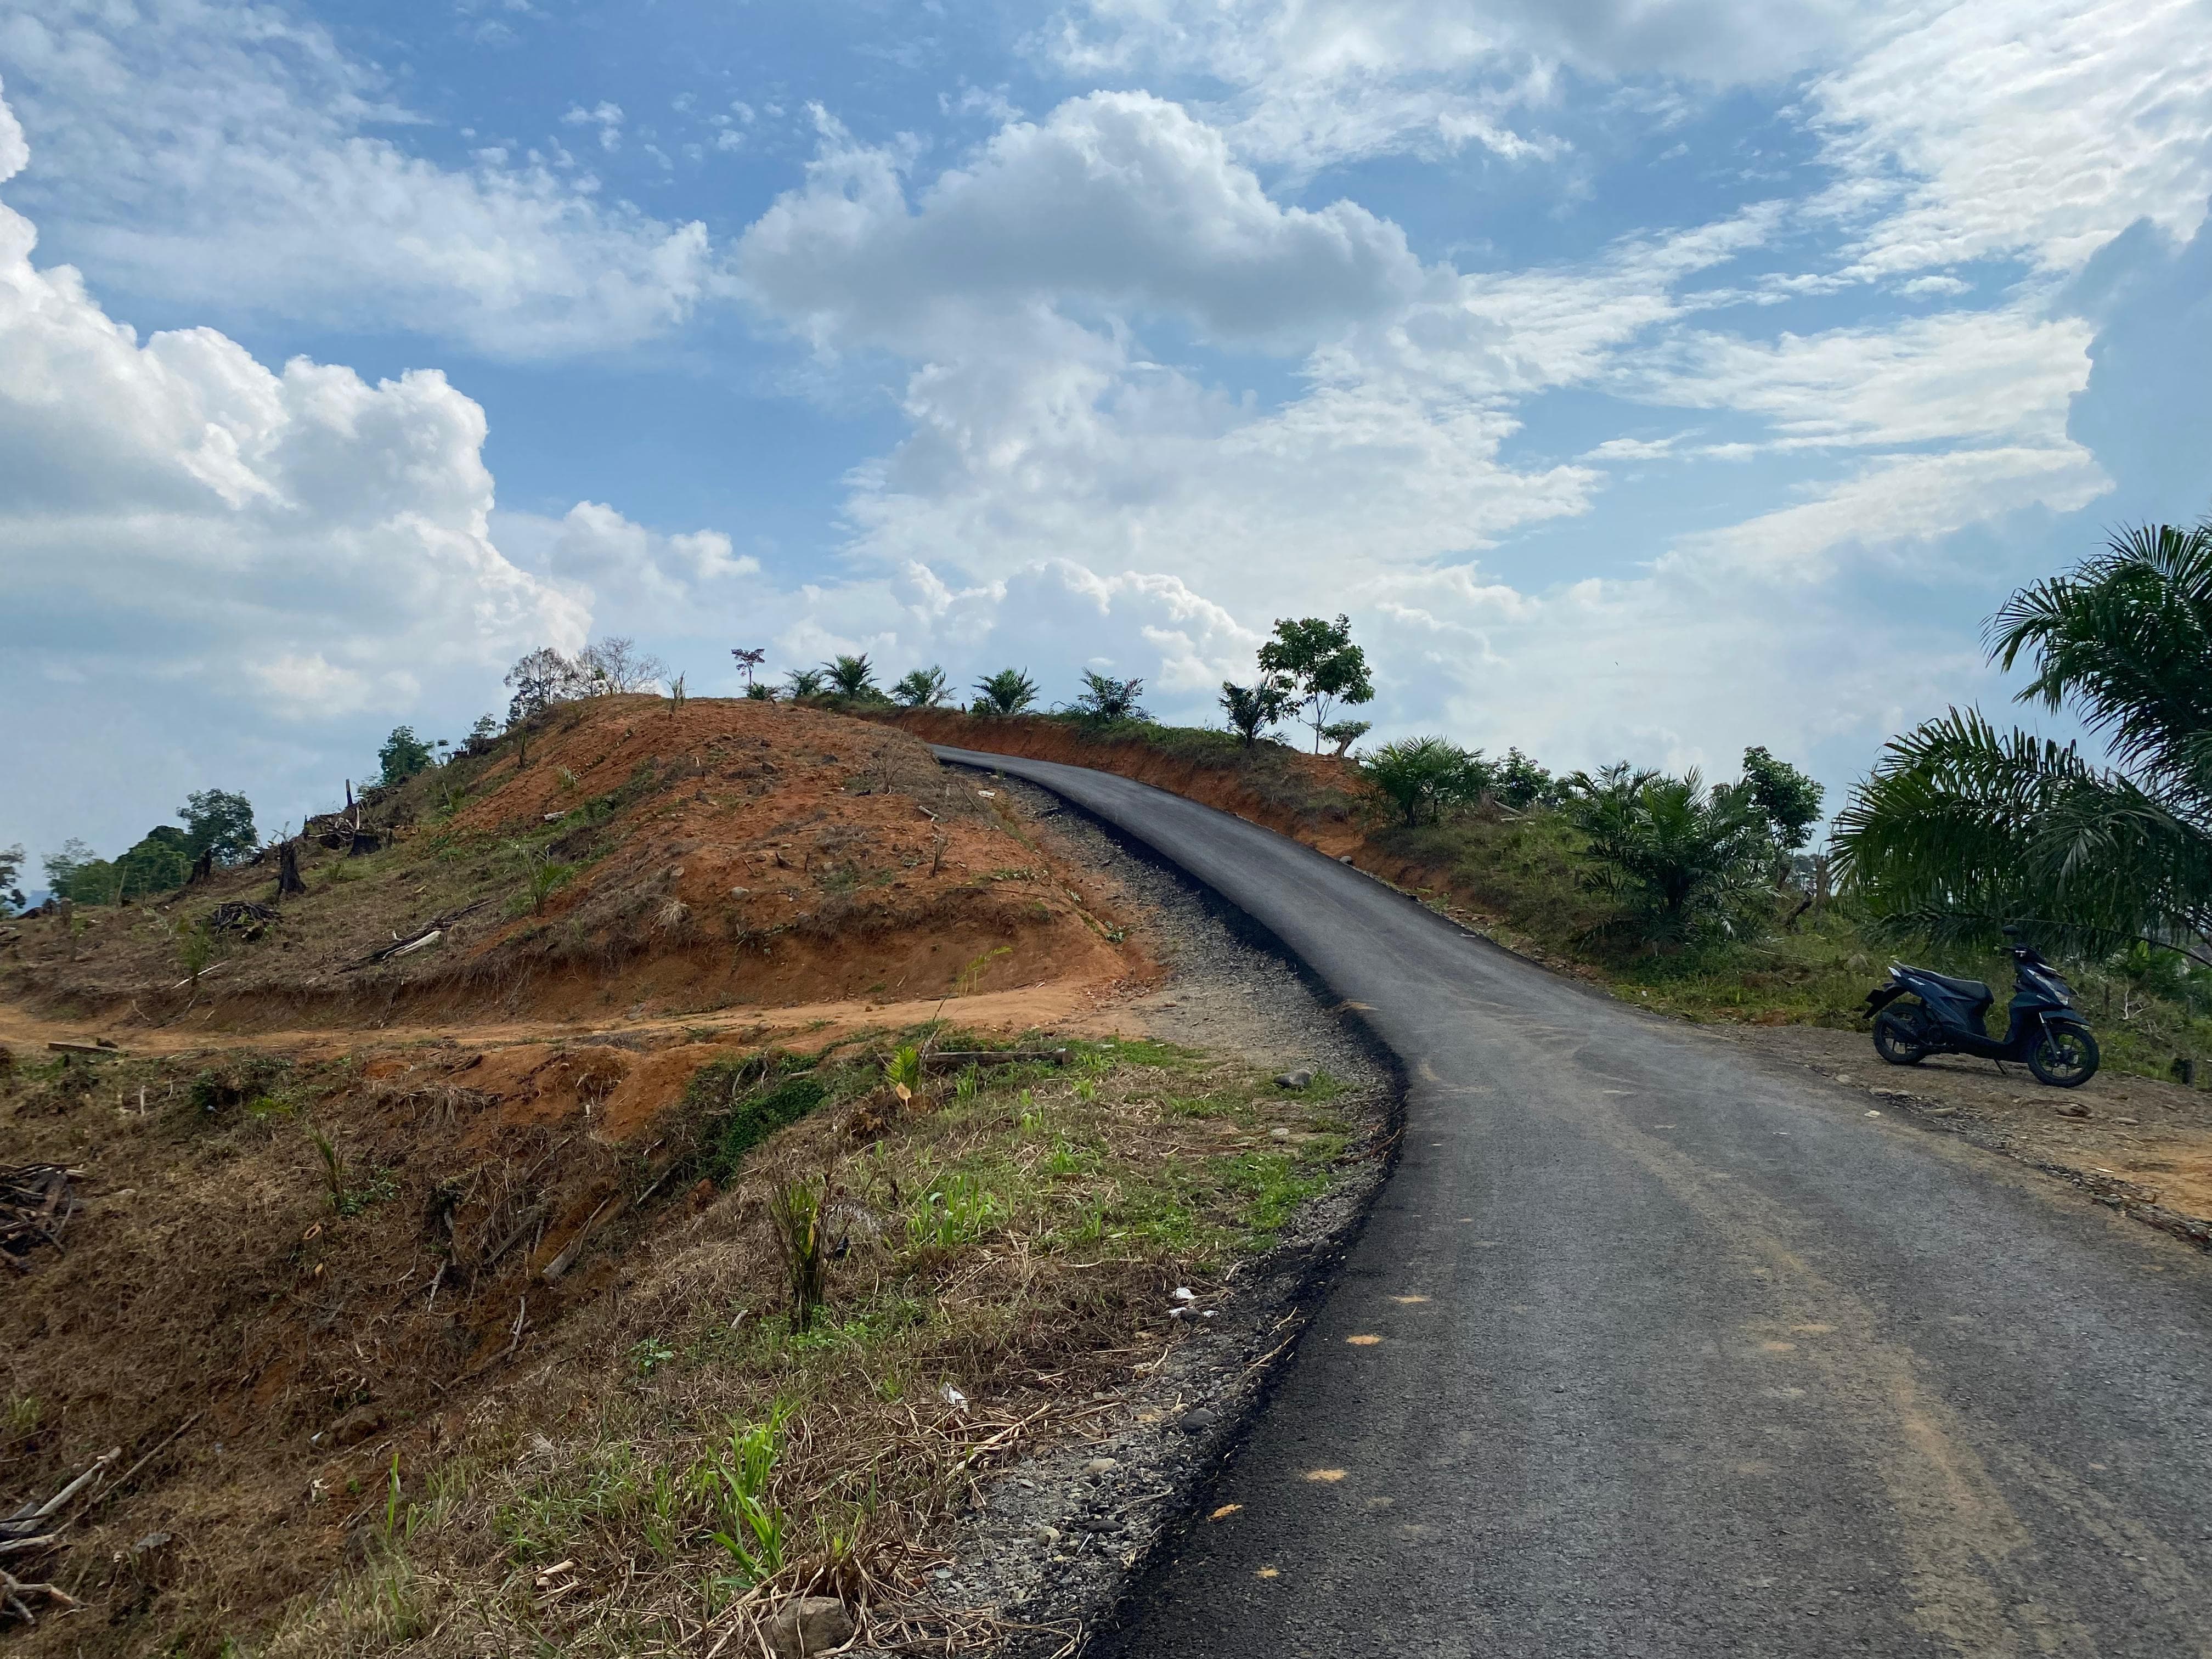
x=2066, y=1058
x=1896, y=1037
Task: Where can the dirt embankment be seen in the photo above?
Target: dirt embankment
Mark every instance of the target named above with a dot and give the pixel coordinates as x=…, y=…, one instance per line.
x=619, y=855
x=372, y=1316
x=1315, y=799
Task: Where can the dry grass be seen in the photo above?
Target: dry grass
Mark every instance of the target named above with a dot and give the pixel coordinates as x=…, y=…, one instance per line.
x=995, y=1254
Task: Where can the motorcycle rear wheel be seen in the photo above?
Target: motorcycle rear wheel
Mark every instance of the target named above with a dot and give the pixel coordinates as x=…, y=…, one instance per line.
x=2065, y=1058
x=1896, y=1037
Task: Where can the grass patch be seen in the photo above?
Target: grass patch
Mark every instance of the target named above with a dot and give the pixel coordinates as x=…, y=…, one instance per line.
x=1008, y=1240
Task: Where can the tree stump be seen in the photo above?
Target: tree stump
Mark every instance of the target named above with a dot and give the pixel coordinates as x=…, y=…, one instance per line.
x=287, y=871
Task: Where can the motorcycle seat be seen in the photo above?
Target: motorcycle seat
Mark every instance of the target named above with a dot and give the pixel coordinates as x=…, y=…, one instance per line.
x=1972, y=989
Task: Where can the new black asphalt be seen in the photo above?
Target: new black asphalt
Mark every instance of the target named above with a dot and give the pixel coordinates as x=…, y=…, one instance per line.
x=1652, y=1348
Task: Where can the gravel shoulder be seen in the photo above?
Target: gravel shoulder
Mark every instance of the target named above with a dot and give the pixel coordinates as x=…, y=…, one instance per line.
x=1058, y=1542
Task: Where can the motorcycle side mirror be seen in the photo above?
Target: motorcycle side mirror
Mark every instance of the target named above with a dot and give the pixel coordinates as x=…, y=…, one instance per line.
x=2011, y=931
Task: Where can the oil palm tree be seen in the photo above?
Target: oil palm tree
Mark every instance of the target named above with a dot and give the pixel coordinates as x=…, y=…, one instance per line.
x=853, y=676
x=1963, y=828
x=921, y=688
x=1685, y=863
x=1009, y=691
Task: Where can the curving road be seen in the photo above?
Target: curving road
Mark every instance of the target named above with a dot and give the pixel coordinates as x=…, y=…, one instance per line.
x=1680, y=1353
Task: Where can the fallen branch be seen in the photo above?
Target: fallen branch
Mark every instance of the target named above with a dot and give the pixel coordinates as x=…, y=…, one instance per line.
x=415, y=941
x=25, y=1533
x=131, y=1473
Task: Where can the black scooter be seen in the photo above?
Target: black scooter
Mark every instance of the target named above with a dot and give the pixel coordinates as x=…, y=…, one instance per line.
x=2045, y=1032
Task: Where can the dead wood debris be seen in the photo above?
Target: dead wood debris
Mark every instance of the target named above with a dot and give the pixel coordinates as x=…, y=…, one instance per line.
x=421, y=936
x=34, y=1530
x=244, y=916
x=36, y=1202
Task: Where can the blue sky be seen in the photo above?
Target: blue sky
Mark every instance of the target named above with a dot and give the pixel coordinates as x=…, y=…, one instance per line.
x=1645, y=380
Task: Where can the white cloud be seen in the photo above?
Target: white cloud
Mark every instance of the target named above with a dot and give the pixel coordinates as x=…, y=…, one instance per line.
x=2034, y=129
x=1015, y=285
x=1901, y=500
x=1968, y=376
x=606, y=117
x=231, y=159
x=1313, y=81
x=630, y=579
x=1118, y=199
x=196, y=545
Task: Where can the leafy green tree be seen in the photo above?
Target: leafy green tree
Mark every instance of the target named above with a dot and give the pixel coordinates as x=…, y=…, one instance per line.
x=159, y=863
x=1318, y=660
x=853, y=676
x=482, y=736
x=403, y=756
x=1790, y=800
x=1009, y=692
x=1105, y=701
x=64, y=869
x=220, y=822
x=1521, y=783
x=759, y=691
x=1962, y=829
x=11, y=876
x=1344, y=734
x=1253, y=709
x=804, y=682
x=922, y=687
x=1685, y=863
x=1423, y=778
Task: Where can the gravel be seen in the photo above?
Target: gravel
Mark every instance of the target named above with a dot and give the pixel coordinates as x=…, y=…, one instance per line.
x=1061, y=1537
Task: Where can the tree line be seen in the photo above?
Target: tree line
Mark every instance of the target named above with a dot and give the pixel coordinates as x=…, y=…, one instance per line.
x=1960, y=829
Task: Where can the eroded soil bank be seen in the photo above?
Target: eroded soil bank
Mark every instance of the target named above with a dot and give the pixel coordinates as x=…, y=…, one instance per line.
x=436, y=1336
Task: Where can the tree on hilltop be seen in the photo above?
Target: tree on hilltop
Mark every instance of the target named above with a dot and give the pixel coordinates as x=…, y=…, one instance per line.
x=1008, y=692
x=1318, y=660
x=1253, y=709
x=922, y=687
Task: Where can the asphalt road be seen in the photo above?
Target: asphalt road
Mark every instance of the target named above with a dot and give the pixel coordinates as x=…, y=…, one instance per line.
x=1679, y=1352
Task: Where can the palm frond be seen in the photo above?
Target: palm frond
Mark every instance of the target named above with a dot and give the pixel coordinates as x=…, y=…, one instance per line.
x=1962, y=829
x=2127, y=637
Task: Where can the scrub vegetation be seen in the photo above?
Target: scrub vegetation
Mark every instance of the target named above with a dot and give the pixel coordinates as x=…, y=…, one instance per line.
x=790, y=1330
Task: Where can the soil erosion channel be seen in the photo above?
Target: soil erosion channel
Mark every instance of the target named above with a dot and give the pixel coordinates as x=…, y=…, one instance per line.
x=1653, y=1346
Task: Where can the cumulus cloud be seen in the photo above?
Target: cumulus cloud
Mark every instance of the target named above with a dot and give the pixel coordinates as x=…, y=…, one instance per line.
x=633, y=580
x=606, y=117
x=1016, y=287
x=232, y=160
x=1119, y=199
x=181, y=526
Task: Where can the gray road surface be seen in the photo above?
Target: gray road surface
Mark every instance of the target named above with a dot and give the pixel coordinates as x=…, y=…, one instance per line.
x=1679, y=1352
